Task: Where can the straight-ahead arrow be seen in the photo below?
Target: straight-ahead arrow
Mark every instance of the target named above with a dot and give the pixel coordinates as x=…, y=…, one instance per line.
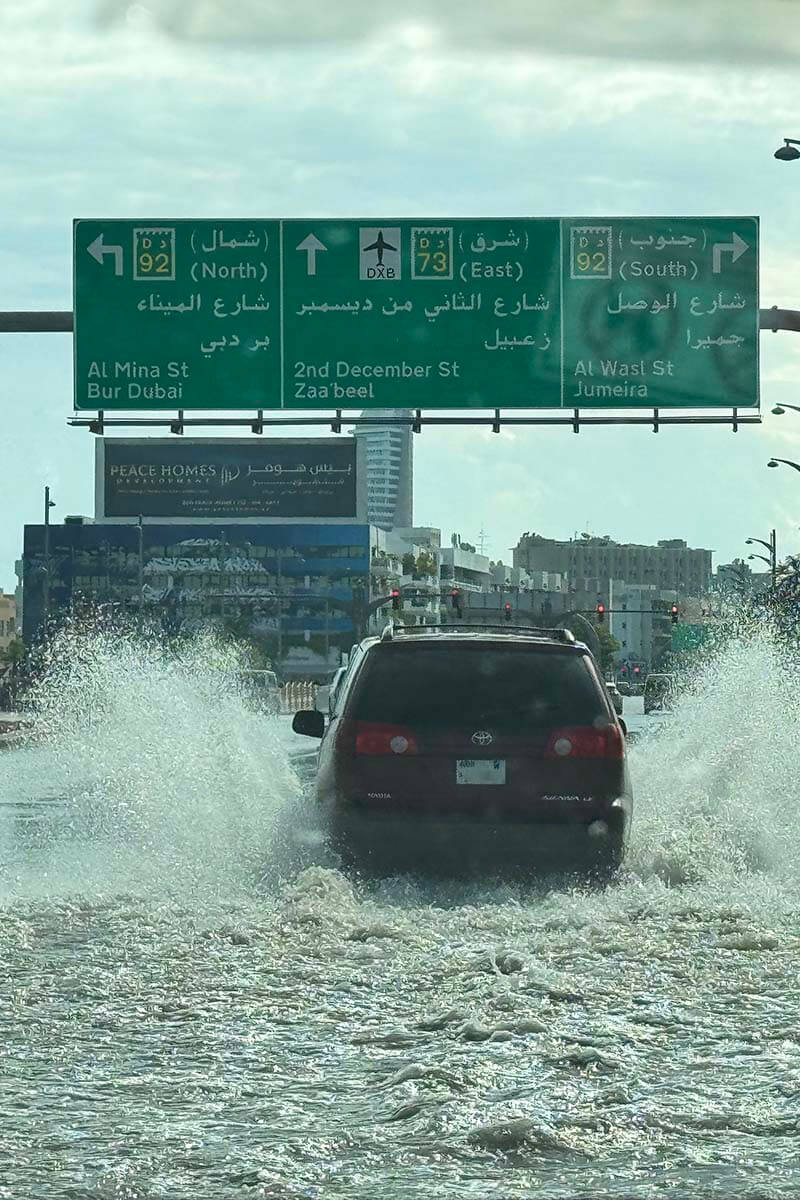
x=736, y=248
x=98, y=250
x=311, y=245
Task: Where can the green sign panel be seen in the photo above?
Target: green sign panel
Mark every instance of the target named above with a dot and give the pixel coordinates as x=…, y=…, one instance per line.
x=440, y=314
x=687, y=638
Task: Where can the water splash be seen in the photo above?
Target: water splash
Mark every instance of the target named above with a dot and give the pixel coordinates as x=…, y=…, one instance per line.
x=152, y=772
x=717, y=789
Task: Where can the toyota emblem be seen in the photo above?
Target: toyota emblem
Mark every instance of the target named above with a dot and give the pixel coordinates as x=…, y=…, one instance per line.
x=482, y=737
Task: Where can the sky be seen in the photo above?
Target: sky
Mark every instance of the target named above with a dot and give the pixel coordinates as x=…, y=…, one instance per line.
x=207, y=109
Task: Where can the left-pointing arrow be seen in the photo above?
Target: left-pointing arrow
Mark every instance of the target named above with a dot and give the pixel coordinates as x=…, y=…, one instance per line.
x=311, y=245
x=98, y=250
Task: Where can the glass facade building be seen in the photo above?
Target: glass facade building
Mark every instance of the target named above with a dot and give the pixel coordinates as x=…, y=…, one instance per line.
x=386, y=461
x=295, y=588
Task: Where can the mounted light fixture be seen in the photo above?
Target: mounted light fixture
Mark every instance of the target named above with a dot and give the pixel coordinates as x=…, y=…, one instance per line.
x=788, y=151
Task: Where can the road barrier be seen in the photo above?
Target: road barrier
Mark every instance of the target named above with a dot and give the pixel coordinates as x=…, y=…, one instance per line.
x=297, y=694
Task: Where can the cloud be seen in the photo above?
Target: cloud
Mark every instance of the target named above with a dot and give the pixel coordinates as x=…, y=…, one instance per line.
x=682, y=30
x=780, y=367
x=788, y=373
x=784, y=439
x=785, y=524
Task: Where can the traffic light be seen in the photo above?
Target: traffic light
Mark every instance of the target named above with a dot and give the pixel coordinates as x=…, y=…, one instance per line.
x=637, y=670
x=507, y=611
x=674, y=613
x=396, y=601
x=623, y=669
x=601, y=613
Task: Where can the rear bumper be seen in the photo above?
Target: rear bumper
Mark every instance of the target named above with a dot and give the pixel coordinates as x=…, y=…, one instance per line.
x=459, y=845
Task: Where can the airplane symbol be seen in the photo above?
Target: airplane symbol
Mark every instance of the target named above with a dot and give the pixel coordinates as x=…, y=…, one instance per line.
x=380, y=244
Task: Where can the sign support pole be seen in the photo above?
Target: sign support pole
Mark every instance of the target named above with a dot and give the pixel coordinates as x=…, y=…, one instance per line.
x=141, y=570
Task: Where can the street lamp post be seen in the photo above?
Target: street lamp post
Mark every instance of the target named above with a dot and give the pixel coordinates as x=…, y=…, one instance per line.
x=48, y=504
x=223, y=574
x=141, y=571
x=773, y=462
x=327, y=629
x=280, y=606
x=772, y=547
x=279, y=577
x=743, y=576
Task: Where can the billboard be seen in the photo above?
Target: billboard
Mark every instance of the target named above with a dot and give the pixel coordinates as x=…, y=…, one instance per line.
x=277, y=479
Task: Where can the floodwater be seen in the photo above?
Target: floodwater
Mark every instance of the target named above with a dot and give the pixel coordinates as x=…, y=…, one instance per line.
x=196, y=1002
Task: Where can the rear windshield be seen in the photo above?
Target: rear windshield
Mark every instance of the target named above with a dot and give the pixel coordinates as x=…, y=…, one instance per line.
x=513, y=688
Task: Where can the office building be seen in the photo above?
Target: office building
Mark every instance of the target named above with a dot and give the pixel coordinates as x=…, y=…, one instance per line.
x=385, y=458
x=668, y=566
x=635, y=617
x=297, y=590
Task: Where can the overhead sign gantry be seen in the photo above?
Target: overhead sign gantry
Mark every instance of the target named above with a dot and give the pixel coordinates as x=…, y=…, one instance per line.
x=519, y=313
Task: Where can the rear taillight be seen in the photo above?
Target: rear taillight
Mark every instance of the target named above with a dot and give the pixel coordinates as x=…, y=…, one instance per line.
x=372, y=738
x=584, y=741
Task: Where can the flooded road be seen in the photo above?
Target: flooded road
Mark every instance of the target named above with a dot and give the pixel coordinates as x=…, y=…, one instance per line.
x=200, y=1003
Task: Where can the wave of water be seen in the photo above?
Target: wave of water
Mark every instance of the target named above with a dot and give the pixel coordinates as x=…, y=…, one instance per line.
x=152, y=773
x=160, y=777
x=717, y=789
x=316, y=1038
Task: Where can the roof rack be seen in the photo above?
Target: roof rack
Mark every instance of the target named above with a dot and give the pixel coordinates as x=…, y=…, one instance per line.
x=391, y=630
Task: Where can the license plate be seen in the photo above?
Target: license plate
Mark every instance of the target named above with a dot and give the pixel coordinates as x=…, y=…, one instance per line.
x=481, y=770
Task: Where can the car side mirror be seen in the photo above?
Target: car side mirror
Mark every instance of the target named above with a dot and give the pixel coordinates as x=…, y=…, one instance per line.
x=309, y=722
x=623, y=726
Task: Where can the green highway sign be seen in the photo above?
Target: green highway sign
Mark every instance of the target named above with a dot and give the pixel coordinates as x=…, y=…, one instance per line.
x=687, y=638
x=519, y=313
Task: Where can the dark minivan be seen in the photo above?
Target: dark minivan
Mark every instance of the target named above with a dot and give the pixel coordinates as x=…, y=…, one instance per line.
x=451, y=747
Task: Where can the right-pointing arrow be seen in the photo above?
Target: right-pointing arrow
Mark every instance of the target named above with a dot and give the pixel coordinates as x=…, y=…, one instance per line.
x=735, y=247
x=311, y=245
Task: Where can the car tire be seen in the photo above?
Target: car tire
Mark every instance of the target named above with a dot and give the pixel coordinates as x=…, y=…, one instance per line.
x=609, y=859
x=354, y=858
x=364, y=867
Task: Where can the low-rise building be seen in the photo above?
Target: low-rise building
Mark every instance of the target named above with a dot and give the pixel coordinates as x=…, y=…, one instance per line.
x=8, y=620
x=463, y=568
x=488, y=607
x=640, y=622
x=526, y=581
x=407, y=561
x=18, y=594
x=736, y=577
